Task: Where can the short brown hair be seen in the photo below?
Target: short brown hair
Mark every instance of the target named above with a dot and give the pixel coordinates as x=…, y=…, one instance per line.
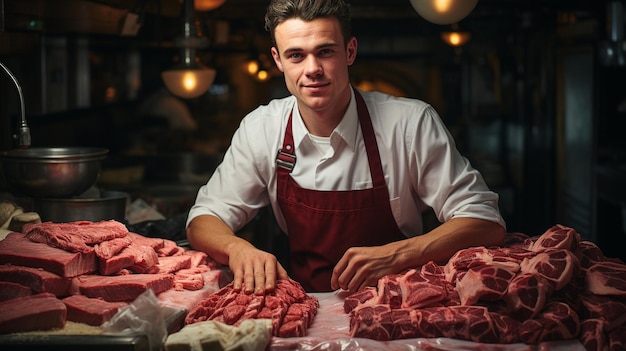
x=279, y=11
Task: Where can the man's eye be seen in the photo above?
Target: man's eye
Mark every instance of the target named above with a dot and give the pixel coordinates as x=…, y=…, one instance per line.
x=295, y=56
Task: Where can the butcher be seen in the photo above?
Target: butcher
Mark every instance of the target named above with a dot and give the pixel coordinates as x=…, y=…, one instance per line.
x=348, y=173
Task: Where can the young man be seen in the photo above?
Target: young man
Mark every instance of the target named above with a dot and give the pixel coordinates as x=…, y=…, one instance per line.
x=347, y=173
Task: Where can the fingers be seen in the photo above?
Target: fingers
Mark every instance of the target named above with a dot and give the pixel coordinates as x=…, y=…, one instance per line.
x=257, y=273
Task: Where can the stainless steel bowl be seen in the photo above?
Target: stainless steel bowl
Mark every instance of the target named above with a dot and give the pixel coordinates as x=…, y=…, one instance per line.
x=103, y=206
x=51, y=172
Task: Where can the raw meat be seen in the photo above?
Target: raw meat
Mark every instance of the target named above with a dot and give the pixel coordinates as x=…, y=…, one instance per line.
x=288, y=306
x=557, y=237
x=527, y=295
x=107, y=249
x=75, y=236
x=592, y=335
x=172, y=264
x=122, y=287
x=610, y=310
x=9, y=290
x=91, y=311
x=35, y=312
x=606, y=278
x=18, y=250
x=483, y=283
x=556, y=322
x=557, y=266
x=36, y=279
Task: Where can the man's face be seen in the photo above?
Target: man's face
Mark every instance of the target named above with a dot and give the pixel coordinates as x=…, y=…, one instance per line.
x=315, y=61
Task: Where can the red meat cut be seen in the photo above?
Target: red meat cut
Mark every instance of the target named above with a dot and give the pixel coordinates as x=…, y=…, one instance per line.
x=37, y=279
x=10, y=290
x=36, y=312
x=122, y=288
x=78, y=236
x=606, y=278
x=291, y=309
x=18, y=250
x=91, y=311
x=558, y=321
x=483, y=283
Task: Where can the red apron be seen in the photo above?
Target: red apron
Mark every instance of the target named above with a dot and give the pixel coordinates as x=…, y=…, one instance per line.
x=322, y=225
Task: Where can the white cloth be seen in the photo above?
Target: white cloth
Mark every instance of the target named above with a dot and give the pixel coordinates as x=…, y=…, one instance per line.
x=421, y=164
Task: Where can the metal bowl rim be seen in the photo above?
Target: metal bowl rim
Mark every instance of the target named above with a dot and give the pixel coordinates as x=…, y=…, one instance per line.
x=55, y=154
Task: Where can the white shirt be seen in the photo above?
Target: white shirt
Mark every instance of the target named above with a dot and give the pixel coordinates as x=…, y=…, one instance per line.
x=420, y=161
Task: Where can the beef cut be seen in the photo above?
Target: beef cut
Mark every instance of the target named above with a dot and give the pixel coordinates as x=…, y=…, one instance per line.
x=606, y=278
x=35, y=312
x=10, y=290
x=36, y=279
x=18, y=250
x=91, y=311
x=78, y=236
x=533, y=289
x=289, y=307
x=483, y=283
x=122, y=288
x=558, y=321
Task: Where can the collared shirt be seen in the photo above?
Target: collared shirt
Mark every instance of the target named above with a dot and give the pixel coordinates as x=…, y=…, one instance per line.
x=420, y=161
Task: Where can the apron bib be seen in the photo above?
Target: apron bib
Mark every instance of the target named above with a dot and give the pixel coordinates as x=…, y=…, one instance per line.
x=322, y=225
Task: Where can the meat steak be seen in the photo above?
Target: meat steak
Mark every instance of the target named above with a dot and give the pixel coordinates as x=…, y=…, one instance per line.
x=606, y=278
x=78, y=236
x=10, y=290
x=36, y=279
x=18, y=250
x=91, y=311
x=121, y=288
x=35, y=312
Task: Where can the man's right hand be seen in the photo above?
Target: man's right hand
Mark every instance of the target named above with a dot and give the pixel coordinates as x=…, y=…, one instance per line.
x=255, y=271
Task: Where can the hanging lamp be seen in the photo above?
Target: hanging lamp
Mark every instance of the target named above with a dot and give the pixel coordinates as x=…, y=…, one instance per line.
x=189, y=78
x=443, y=11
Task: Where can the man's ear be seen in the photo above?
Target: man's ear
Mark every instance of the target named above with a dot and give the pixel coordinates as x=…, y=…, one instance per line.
x=276, y=57
x=351, y=50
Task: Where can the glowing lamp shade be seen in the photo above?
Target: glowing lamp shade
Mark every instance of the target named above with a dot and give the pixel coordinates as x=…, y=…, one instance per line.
x=455, y=39
x=207, y=5
x=443, y=11
x=188, y=83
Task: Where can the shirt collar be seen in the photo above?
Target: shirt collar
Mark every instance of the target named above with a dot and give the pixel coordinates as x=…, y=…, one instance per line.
x=347, y=129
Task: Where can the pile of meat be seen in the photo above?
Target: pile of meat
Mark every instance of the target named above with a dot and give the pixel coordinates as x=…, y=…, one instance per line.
x=85, y=271
x=289, y=307
x=532, y=289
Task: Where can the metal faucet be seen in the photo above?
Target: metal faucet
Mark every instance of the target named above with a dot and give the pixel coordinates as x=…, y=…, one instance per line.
x=22, y=137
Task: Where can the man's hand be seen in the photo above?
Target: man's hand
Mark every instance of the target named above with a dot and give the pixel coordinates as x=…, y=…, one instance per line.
x=254, y=270
x=363, y=266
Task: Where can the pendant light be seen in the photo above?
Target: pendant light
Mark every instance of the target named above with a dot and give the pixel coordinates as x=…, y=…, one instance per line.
x=455, y=37
x=443, y=11
x=189, y=78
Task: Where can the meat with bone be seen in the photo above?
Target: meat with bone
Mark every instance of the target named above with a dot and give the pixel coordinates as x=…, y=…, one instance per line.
x=483, y=283
x=78, y=236
x=37, y=279
x=557, y=237
x=91, y=311
x=289, y=306
x=531, y=299
x=557, y=266
x=527, y=295
x=592, y=335
x=35, y=312
x=18, y=250
x=606, y=278
x=557, y=321
x=610, y=310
